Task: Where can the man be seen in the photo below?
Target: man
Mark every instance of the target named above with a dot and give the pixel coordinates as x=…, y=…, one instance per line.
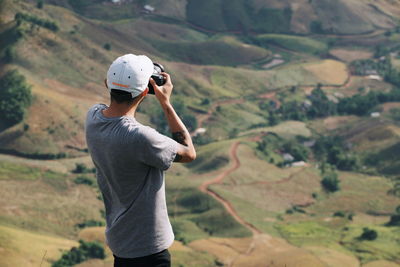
x=130, y=159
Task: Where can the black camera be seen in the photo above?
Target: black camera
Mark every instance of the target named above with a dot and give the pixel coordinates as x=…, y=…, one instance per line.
x=157, y=77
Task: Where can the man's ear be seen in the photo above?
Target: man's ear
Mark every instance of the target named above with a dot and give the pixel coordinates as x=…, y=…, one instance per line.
x=105, y=82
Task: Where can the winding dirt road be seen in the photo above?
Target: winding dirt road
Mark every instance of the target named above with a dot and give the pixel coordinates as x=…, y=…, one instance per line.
x=263, y=249
x=204, y=187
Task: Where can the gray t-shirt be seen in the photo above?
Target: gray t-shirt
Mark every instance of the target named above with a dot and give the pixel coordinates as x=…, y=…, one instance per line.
x=130, y=159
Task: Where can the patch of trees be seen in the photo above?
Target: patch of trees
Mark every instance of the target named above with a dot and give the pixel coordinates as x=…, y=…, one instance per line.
x=316, y=27
x=85, y=251
x=363, y=104
x=334, y=151
x=15, y=97
x=8, y=39
x=273, y=146
x=371, y=66
x=45, y=23
x=318, y=105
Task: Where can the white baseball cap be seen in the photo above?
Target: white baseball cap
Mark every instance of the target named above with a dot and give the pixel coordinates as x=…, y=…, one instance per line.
x=130, y=73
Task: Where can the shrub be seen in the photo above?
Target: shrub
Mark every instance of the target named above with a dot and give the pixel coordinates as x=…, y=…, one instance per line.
x=394, y=220
x=107, y=46
x=81, y=168
x=339, y=214
x=39, y=4
x=85, y=251
x=15, y=97
x=84, y=180
x=90, y=223
x=368, y=234
x=330, y=182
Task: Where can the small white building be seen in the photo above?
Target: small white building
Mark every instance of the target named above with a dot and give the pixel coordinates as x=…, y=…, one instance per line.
x=299, y=164
x=199, y=131
x=375, y=114
x=375, y=77
x=287, y=157
x=149, y=8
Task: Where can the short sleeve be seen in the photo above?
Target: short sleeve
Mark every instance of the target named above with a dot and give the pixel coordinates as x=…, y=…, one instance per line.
x=158, y=150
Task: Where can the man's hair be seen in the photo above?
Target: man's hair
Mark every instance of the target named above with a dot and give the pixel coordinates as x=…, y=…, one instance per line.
x=120, y=97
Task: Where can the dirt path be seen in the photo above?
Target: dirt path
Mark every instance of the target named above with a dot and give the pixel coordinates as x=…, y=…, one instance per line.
x=263, y=248
x=204, y=187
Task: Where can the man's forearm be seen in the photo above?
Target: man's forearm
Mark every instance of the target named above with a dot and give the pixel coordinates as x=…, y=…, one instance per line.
x=176, y=126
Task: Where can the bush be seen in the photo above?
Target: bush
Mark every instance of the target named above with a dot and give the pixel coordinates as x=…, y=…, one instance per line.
x=107, y=46
x=368, y=234
x=339, y=214
x=330, y=182
x=85, y=251
x=39, y=4
x=394, y=220
x=15, y=97
x=84, y=180
x=90, y=223
x=81, y=168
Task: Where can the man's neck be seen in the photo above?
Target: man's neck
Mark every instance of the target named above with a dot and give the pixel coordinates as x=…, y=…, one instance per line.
x=119, y=110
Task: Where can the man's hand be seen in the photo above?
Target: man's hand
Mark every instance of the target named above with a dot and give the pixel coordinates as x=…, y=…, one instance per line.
x=186, y=151
x=163, y=93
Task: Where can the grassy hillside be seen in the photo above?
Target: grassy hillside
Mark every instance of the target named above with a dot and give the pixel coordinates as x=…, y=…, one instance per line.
x=294, y=43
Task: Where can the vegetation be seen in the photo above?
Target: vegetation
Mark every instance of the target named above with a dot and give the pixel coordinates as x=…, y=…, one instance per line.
x=85, y=180
x=238, y=15
x=395, y=218
x=334, y=151
x=90, y=223
x=291, y=42
x=330, y=182
x=273, y=147
x=82, y=168
x=15, y=97
x=368, y=234
x=85, y=251
x=48, y=24
x=222, y=51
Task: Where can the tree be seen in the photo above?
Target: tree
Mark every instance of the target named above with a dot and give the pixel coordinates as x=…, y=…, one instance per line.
x=330, y=182
x=368, y=234
x=107, y=46
x=39, y=4
x=15, y=97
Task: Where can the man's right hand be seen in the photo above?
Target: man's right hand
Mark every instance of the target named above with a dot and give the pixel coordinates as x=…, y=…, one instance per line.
x=186, y=151
x=163, y=93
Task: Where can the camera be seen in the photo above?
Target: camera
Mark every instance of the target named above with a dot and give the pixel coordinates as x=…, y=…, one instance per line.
x=157, y=77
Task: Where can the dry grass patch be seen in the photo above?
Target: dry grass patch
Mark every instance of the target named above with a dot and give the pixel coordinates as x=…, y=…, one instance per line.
x=347, y=55
x=24, y=248
x=330, y=71
x=381, y=263
x=333, y=257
